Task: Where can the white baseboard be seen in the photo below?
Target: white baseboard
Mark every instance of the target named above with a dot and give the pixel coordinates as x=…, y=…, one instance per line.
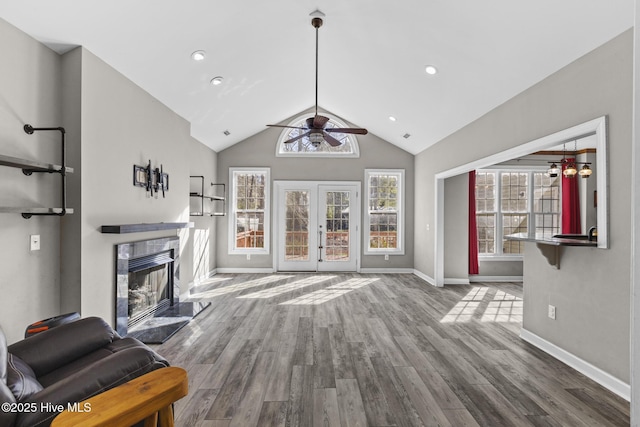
x=603, y=378
x=245, y=270
x=430, y=280
x=387, y=270
x=454, y=281
x=476, y=278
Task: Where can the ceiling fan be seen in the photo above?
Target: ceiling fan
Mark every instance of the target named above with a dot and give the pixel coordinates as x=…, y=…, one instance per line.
x=315, y=126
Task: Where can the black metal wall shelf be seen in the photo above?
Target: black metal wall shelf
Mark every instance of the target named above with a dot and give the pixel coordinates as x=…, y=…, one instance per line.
x=215, y=209
x=30, y=167
x=36, y=211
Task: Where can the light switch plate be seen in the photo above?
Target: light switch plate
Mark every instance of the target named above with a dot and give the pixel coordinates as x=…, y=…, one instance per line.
x=34, y=242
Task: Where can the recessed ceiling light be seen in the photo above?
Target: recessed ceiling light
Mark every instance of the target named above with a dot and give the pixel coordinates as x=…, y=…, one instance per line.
x=392, y=118
x=227, y=133
x=216, y=81
x=198, y=55
x=430, y=69
x=406, y=135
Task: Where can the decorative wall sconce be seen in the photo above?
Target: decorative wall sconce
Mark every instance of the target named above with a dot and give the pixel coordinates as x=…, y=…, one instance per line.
x=571, y=168
x=154, y=180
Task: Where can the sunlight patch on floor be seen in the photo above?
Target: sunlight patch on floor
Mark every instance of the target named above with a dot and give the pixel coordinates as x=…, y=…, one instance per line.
x=498, y=307
x=503, y=308
x=331, y=292
x=238, y=287
x=282, y=289
x=464, y=310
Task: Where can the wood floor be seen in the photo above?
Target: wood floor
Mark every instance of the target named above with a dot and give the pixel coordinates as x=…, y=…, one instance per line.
x=373, y=350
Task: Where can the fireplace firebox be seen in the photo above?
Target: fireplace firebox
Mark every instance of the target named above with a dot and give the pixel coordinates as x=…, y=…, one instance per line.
x=148, y=305
x=150, y=286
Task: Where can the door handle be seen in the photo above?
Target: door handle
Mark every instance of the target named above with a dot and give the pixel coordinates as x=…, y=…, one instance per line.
x=320, y=246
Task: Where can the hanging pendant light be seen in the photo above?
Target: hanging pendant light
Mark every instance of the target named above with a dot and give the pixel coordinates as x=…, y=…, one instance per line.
x=569, y=166
x=570, y=171
x=585, y=171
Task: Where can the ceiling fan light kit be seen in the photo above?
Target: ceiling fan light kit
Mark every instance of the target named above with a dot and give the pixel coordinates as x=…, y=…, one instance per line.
x=315, y=129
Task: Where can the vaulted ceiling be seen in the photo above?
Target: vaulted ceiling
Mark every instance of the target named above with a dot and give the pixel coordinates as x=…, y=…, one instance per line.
x=372, y=56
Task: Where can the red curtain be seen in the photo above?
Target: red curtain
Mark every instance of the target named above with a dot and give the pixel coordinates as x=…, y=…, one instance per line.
x=570, y=203
x=473, y=229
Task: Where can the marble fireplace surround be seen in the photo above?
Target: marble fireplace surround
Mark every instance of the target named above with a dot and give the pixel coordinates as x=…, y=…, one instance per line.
x=162, y=325
x=134, y=250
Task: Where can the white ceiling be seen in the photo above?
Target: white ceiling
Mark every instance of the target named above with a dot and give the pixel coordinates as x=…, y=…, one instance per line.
x=372, y=56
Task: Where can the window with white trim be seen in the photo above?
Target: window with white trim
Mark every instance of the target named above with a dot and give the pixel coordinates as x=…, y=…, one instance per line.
x=249, y=217
x=384, y=217
x=514, y=201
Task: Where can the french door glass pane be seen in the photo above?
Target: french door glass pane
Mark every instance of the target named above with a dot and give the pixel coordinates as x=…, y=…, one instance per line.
x=337, y=239
x=297, y=226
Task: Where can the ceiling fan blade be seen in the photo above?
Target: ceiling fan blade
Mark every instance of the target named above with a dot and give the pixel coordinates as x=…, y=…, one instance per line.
x=297, y=137
x=358, y=131
x=331, y=140
x=319, y=121
x=283, y=126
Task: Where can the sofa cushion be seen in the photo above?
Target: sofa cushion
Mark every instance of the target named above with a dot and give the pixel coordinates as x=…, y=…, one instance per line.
x=89, y=381
x=59, y=346
x=20, y=378
x=91, y=358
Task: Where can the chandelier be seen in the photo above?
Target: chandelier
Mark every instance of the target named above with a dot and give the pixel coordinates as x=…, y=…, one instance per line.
x=571, y=168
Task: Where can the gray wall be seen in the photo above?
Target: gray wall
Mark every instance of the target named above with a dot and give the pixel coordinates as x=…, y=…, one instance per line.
x=122, y=125
x=111, y=125
x=456, y=218
x=201, y=249
x=29, y=93
x=593, y=317
x=259, y=150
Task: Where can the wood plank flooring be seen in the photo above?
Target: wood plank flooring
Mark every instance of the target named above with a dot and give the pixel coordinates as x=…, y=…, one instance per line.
x=373, y=350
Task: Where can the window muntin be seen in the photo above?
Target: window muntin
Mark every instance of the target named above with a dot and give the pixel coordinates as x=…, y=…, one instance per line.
x=249, y=219
x=509, y=202
x=486, y=211
x=514, y=208
x=546, y=203
x=385, y=215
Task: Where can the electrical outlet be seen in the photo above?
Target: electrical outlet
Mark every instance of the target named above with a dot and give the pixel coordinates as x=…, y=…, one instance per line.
x=552, y=312
x=34, y=242
x=248, y=257
x=386, y=257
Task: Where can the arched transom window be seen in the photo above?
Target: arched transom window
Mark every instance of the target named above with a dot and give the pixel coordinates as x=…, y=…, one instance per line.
x=305, y=148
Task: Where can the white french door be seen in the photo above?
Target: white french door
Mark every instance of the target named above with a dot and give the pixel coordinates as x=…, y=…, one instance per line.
x=317, y=226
